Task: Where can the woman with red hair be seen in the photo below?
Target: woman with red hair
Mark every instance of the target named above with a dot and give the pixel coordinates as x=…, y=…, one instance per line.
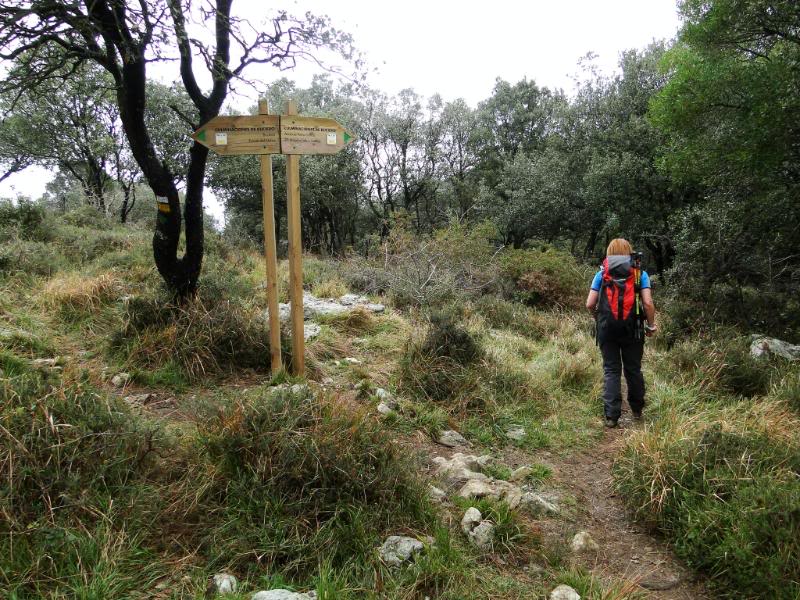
x=622, y=303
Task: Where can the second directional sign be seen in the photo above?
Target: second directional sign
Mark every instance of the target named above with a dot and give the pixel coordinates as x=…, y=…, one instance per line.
x=312, y=135
x=272, y=134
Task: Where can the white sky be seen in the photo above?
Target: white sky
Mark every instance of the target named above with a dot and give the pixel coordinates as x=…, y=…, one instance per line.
x=458, y=49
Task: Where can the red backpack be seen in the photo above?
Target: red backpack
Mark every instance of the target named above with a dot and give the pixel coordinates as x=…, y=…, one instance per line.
x=619, y=309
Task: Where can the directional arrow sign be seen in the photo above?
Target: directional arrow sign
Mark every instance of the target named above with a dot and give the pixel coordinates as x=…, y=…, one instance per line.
x=251, y=134
x=312, y=135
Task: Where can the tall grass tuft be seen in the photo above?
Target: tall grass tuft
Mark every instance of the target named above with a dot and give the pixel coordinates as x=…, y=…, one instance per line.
x=724, y=484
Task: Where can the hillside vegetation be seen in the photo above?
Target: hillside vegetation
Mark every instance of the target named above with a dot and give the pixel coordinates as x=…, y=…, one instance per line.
x=201, y=463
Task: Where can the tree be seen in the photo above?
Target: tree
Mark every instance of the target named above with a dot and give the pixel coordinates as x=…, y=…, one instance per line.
x=46, y=36
x=731, y=114
x=70, y=126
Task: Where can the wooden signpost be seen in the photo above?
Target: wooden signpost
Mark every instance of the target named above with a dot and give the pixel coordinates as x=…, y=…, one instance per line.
x=293, y=135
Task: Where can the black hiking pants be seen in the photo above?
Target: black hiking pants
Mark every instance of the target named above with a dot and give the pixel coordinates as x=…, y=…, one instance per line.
x=622, y=355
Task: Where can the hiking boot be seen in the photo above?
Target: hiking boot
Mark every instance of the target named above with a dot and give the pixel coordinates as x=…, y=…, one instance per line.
x=637, y=415
x=610, y=423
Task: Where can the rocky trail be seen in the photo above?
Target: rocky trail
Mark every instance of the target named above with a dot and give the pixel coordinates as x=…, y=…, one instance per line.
x=626, y=551
x=579, y=498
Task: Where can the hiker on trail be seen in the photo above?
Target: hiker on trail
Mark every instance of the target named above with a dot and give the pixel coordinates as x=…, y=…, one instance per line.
x=621, y=301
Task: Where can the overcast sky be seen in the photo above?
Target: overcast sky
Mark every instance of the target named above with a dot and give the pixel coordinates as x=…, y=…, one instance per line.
x=459, y=48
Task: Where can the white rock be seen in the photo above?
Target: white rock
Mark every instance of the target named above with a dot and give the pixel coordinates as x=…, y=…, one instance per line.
x=311, y=330
x=44, y=362
x=383, y=394
x=352, y=361
x=461, y=467
x=521, y=473
x=300, y=389
x=140, y=399
x=120, y=379
x=327, y=381
x=493, y=489
x=763, y=346
x=516, y=433
x=538, y=504
x=483, y=535
x=583, y=542
x=282, y=594
x=384, y=408
x=564, y=592
x=436, y=494
x=451, y=439
x=470, y=520
x=398, y=549
x=225, y=583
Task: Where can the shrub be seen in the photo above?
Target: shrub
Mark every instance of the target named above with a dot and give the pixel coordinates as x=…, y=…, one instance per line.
x=427, y=271
x=26, y=221
x=721, y=361
x=307, y=480
x=728, y=495
x=504, y=314
x=547, y=278
x=33, y=258
x=74, y=467
x=202, y=336
x=440, y=365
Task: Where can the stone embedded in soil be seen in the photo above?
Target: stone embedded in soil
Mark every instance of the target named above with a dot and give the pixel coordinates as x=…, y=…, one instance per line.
x=436, y=494
x=521, y=473
x=224, y=583
x=384, y=408
x=479, y=530
x=313, y=306
x=461, y=468
x=45, y=363
x=583, y=543
x=483, y=535
x=120, y=379
x=470, y=519
x=763, y=346
x=451, y=439
x=539, y=504
x=310, y=330
x=399, y=549
x=384, y=395
x=516, y=433
x=139, y=399
x=660, y=583
x=492, y=489
x=281, y=594
x=564, y=592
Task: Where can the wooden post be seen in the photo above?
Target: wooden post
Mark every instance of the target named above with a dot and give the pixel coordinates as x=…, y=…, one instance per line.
x=271, y=254
x=295, y=254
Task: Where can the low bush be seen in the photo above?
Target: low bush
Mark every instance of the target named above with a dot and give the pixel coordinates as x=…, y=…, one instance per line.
x=726, y=489
x=99, y=502
x=443, y=364
x=204, y=337
x=25, y=221
x=75, y=469
x=31, y=257
x=455, y=262
x=546, y=278
x=308, y=481
x=720, y=361
x=505, y=314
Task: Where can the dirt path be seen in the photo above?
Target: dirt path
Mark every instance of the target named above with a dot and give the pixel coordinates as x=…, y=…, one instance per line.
x=627, y=551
